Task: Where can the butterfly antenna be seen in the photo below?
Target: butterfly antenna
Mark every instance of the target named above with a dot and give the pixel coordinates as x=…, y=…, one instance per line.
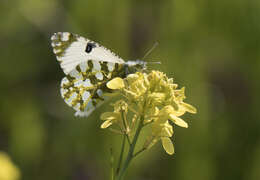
x=155, y=62
x=150, y=50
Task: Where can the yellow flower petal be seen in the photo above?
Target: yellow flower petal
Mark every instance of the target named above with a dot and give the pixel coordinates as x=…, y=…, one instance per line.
x=167, y=130
x=132, y=78
x=181, y=110
x=108, y=116
x=164, y=113
x=157, y=98
x=167, y=145
x=106, y=124
x=178, y=121
x=189, y=108
x=116, y=83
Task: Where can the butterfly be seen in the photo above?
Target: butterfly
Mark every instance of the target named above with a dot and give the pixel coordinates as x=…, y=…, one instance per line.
x=88, y=66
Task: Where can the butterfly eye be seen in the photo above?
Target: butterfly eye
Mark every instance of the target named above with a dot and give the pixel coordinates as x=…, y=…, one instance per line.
x=89, y=47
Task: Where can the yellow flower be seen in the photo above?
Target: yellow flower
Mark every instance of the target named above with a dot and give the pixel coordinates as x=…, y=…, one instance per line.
x=168, y=112
x=154, y=97
x=110, y=118
x=8, y=171
x=116, y=117
x=151, y=115
x=161, y=131
x=136, y=86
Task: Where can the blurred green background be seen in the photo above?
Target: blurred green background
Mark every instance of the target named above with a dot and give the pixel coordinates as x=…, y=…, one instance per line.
x=210, y=47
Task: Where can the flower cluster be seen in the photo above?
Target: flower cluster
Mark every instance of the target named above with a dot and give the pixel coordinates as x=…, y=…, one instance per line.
x=154, y=100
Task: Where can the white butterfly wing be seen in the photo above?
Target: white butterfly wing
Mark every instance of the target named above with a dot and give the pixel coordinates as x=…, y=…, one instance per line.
x=72, y=49
x=84, y=87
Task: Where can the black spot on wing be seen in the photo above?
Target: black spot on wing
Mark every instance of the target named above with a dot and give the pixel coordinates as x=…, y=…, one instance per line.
x=89, y=47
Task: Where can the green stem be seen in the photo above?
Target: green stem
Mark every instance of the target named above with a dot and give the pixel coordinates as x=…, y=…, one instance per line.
x=112, y=164
x=121, y=155
x=139, y=152
x=130, y=155
x=128, y=139
x=126, y=127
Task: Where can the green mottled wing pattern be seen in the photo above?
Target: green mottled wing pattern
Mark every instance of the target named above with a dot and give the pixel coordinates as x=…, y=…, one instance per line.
x=88, y=67
x=84, y=87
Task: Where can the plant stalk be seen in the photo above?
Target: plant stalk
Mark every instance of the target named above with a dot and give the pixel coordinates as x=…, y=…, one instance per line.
x=121, y=155
x=130, y=155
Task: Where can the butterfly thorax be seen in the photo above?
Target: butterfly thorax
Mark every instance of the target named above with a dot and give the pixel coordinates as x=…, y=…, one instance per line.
x=131, y=67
